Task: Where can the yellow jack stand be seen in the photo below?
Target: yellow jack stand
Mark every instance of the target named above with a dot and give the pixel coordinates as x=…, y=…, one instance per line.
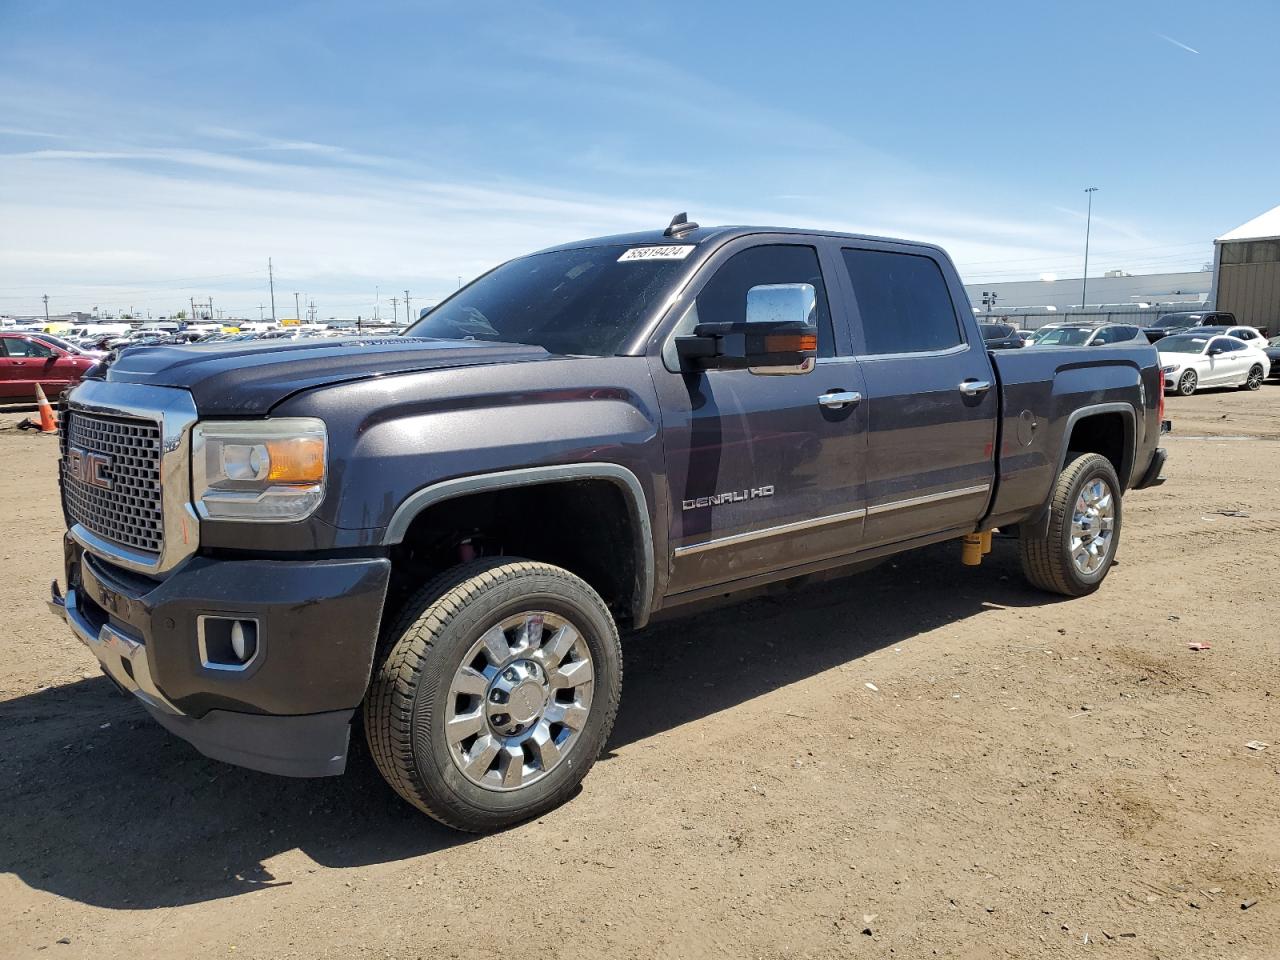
x=976, y=546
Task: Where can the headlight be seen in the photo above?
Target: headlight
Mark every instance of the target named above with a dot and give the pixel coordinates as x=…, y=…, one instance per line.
x=1171, y=368
x=270, y=470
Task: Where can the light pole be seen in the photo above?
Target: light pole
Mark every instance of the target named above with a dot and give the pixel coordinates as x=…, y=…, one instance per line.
x=1088, y=224
x=297, y=310
x=407, y=318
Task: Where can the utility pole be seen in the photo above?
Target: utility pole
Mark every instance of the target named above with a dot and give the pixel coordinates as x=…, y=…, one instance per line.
x=407, y=317
x=311, y=313
x=395, y=308
x=271, y=279
x=193, y=308
x=45, y=298
x=260, y=316
x=1088, y=223
x=377, y=303
x=297, y=310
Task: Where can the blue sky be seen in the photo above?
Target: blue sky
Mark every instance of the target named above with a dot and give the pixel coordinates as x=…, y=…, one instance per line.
x=154, y=152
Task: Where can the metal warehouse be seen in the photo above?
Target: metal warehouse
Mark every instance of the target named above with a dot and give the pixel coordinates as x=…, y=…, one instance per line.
x=1246, y=271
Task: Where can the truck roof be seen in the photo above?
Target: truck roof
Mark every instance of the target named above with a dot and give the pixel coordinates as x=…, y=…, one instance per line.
x=722, y=234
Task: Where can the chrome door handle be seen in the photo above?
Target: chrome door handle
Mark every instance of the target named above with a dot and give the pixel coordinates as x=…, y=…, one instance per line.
x=975, y=388
x=838, y=399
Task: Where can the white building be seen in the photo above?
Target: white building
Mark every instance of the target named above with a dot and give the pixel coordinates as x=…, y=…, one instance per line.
x=1112, y=291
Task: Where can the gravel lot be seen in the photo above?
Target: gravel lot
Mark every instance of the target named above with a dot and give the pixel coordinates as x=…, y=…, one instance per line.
x=926, y=760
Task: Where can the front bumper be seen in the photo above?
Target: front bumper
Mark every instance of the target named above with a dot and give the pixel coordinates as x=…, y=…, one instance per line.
x=289, y=710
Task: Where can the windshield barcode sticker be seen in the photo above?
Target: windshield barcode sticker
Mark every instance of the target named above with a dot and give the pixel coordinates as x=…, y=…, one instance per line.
x=672, y=252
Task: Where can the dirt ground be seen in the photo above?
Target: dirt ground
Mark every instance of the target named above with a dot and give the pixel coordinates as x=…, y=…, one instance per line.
x=926, y=760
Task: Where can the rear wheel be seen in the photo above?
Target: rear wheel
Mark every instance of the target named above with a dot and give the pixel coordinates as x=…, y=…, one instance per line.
x=1074, y=555
x=1187, y=383
x=1254, y=380
x=497, y=693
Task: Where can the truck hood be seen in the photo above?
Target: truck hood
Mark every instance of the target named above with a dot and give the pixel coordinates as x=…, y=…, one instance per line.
x=250, y=378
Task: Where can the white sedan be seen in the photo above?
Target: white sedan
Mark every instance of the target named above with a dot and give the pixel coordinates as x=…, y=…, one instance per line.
x=1189, y=361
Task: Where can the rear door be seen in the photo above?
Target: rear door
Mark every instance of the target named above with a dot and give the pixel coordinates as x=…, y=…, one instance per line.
x=765, y=471
x=931, y=398
x=10, y=370
x=25, y=364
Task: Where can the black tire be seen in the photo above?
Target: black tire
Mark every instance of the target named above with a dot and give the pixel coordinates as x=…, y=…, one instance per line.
x=1187, y=383
x=1255, y=378
x=1046, y=560
x=404, y=710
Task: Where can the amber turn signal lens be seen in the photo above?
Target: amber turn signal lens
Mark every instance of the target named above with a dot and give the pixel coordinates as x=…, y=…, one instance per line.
x=790, y=342
x=300, y=460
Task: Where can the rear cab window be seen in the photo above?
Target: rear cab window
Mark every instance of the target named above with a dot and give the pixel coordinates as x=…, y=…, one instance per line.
x=903, y=302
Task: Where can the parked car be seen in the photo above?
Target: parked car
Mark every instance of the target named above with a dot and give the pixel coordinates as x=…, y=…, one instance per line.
x=446, y=530
x=70, y=347
x=1189, y=361
x=1000, y=336
x=1087, y=334
x=1250, y=335
x=1172, y=323
x=26, y=359
x=1272, y=350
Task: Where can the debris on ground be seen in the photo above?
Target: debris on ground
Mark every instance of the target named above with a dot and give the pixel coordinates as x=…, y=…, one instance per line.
x=1257, y=745
x=1231, y=513
x=1247, y=904
x=871, y=686
x=1199, y=646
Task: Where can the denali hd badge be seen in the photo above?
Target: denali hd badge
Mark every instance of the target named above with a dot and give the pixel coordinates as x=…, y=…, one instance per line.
x=734, y=496
x=90, y=468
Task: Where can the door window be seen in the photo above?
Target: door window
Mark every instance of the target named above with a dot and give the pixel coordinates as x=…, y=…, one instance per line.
x=22, y=347
x=903, y=301
x=724, y=298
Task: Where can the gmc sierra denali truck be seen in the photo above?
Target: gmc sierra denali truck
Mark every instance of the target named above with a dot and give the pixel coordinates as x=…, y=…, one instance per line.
x=442, y=533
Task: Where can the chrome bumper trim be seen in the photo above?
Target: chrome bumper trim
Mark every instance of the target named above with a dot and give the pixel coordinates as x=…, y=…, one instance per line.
x=114, y=650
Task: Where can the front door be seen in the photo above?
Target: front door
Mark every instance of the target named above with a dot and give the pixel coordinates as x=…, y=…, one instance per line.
x=930, y=394
x=765, y=471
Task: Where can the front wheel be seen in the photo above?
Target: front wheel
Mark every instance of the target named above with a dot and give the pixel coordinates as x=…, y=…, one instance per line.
x=1074, y=555
x=1254, y=380
x=496, y=694
x=1188, y=383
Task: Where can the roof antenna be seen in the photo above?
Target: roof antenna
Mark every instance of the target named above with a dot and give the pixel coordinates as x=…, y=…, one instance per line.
x=679, y=226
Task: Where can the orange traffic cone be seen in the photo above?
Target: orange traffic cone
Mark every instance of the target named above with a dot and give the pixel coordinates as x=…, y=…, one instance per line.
x=48, y=422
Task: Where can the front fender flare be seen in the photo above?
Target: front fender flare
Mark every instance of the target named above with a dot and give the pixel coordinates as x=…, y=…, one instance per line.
x=626, y=481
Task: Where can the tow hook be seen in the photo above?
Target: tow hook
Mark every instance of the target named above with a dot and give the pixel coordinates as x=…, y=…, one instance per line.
x=976, y=546
x=57, y=603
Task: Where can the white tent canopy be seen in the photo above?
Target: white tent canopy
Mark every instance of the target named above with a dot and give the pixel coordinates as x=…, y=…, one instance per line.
x=1264, y=227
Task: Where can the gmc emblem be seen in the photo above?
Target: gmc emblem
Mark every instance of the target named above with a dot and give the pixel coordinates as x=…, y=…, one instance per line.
x=90, y=468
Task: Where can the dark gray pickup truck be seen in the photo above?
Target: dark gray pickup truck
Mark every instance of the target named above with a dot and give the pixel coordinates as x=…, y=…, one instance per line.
x=444, y=531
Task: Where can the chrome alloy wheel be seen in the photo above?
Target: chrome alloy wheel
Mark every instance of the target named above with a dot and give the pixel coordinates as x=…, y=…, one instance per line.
x=519, y=700
x=1093, y=526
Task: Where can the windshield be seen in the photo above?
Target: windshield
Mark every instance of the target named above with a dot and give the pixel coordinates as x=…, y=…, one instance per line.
x=1274, y=342
x=1182, y=344
x=1177, y=320
x=1064, y=337
x=995, y=331
x=582, y=301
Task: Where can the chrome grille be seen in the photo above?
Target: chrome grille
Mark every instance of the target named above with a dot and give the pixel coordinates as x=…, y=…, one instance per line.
x=130, y=511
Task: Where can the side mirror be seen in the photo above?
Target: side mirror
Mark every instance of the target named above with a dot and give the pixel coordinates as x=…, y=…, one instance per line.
x=778, y=336
x=1215, y=351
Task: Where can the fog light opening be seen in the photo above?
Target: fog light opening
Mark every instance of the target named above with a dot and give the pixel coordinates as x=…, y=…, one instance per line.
x=227, y=643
